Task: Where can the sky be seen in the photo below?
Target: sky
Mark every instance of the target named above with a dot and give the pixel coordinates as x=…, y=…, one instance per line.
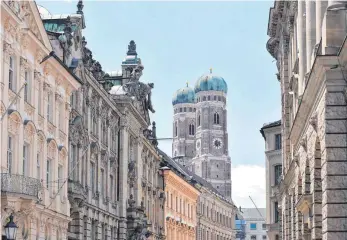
x=177, y=43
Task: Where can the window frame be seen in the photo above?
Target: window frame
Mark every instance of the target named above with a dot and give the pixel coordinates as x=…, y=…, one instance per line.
x=278, y=141
x=11, y=74
x=252, y=226
x=10, y=151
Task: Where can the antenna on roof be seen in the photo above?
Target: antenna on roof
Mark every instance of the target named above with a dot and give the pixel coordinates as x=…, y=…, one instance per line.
x=257, y=209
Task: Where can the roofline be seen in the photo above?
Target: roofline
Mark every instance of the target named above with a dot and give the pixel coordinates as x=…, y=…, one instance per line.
x=269, y=126
x=66, y=68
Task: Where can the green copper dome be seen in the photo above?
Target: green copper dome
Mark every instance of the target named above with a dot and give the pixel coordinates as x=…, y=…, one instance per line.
x=209, y=82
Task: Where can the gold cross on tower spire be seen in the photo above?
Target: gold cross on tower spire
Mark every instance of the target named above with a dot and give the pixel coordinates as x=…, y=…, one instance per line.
x=210, y=70
x=187, y=84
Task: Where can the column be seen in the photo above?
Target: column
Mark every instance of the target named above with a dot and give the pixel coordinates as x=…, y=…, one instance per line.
x=334, y=27
x=124, y=139
x=321, y=7
x=301, y=45
x=310, y=32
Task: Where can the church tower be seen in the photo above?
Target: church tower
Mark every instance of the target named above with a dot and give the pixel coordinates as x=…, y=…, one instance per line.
x=184, y=126
x=211, y=160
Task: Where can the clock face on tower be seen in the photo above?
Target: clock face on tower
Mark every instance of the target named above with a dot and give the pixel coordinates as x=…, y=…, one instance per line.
x=217, y=143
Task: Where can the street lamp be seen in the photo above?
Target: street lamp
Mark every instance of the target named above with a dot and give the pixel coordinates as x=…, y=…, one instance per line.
x=11, y=229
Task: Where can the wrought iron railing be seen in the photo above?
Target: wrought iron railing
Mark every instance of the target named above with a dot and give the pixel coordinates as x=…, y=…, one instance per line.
x=20, y=184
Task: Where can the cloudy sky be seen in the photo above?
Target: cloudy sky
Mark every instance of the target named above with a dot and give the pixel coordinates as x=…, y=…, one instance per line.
x=180, y=41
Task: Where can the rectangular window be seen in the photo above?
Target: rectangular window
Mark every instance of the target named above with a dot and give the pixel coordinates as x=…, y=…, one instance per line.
x=48, y=174
x=49, y=107
x=11, y=75
x=60, y=179
x=38, y=166
x=9, y=154
x=111, y=187
x=27, y=87
x=278, y=174
x=253, y=226
x=264, y=226
x=39, y=103
x=103, y=183
x=25, y=159
x=92, y=176
x=278, y=141
x=276, y=212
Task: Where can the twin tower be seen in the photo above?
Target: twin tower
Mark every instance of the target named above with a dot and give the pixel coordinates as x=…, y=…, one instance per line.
x=200, y=136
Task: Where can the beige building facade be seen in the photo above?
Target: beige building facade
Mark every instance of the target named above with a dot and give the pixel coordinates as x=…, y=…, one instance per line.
x=307, y=38
x=272, y=134
x=35, y=108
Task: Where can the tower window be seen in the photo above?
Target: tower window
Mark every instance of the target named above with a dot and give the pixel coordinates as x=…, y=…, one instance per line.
x=215, y=98
x=191, y=129
x=176, y=132
x=185, y=109
x=190, y=109
x=199, y=119
x=208, y=98
x=216, y=118
x=204, y=98
x=180, y=109
x=219, y=98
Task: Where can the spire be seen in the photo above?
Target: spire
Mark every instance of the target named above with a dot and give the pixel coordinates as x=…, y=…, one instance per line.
x=80, y=7
x=187, y=84
x=210, y=70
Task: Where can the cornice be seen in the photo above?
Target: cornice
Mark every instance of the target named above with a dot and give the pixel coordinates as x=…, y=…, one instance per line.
x=311, y=97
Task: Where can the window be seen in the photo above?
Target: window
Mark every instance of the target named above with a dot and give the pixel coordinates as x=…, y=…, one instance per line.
x=199, y=120
x=215, y=98
x=176, y=204
x=73, y=161
x=184, y=109
x=38, y=166
x=9, y=154
x=92, y=176
x=276, y=212
x=278, y=174
x=190, y=109
x=216, y=118
x=264, y=237
x=171, y=201
x=27, y=87
x=219, y=98
x=103, y=183
x=11, y=84
x=111, y=188
x=264, y=226
x=253, y=237
x=60, y=179
x=278, y=141
x=208, y=98
x=61, y=117
x=253, y=226
x=25, y=159
x=49, y=107
x=176, y=131
x=204, y=98
x=180, y=109
x=48, y=174
x=39, y=99
x=191, y=129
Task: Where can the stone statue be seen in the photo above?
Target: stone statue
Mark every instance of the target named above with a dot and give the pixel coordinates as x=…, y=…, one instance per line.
x=132, y=48
x=66, y=41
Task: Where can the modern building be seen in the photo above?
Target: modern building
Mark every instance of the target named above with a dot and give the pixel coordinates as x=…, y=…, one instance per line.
x=181, y=202
x=255, y=223
x=35, y=107
x=307, y=39
x=272, y=134
x=215, y=215
x=200, y=137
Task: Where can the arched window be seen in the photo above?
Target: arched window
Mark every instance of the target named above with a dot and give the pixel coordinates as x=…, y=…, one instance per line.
x=191, y=129
x=204, y=98
x=11, y=71
x=216, y=118
x=199, y=120
x=176, y=130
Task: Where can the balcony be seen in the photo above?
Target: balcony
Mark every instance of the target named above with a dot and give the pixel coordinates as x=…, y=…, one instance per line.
x=76, y=190
x=20, y=184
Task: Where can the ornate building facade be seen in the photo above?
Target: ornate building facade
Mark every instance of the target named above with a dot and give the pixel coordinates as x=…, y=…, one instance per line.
x=35, y=107
x=307, y=39
x=200, y=138
x=115, y=188
x=271, y=133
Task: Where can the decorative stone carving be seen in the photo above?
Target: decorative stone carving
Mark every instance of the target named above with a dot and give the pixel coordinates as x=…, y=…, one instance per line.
x=29, y=132
x=14, y=123
x=313, y=121
x=303, y=143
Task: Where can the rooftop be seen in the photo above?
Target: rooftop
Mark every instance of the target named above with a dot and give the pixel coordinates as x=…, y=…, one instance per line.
x=269, y=125
x=254, y=213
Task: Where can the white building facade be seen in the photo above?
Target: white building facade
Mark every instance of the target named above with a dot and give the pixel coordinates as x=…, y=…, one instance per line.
x=307, y=39
x=272, y=134
x=255, y=223
x=34, y=126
